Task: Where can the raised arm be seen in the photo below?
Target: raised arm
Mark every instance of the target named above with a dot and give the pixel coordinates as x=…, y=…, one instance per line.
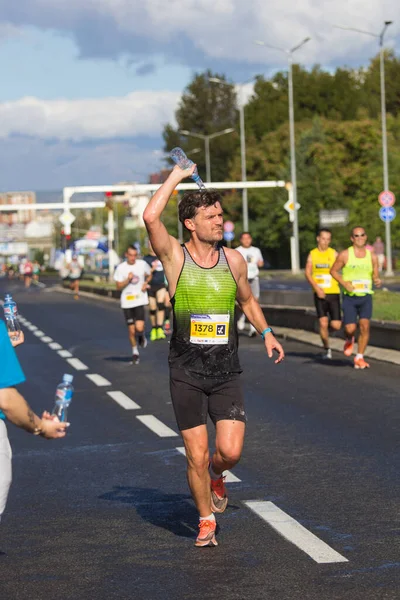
x=163, y=243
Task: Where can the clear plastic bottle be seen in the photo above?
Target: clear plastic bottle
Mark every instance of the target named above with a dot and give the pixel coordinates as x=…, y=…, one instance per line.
x=64, y=393
x=11, y=317
x=180, y=158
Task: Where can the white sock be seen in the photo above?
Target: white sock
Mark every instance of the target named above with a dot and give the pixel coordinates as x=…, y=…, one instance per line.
x=213, y=475
x=135, y=350
x=209, y=518
x=358, y=356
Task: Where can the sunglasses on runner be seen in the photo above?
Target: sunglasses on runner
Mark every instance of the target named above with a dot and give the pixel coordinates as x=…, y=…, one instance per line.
x=359, y=235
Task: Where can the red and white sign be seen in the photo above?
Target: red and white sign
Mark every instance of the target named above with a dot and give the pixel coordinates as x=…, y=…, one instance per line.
x=386, y=198
x=229, y=226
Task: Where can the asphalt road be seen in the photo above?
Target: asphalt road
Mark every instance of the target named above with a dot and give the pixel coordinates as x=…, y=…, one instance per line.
x=106, y=513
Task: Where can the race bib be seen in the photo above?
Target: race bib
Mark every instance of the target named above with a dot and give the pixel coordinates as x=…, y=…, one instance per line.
x=361, y=285
x=209, y=329
x=252, y=270
x=324, y=281
x=131, y=297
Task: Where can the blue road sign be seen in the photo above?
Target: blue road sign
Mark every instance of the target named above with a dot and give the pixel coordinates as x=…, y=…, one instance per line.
x=228, y=236
x=387, y=213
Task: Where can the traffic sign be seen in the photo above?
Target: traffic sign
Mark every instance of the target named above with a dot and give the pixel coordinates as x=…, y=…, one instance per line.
x=228, y=236
x=289, y=206
x=229, y=226
x=67, y=218
x=386, y=198
x=387, y=214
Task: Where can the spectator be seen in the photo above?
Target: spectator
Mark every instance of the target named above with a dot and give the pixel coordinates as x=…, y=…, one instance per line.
x=379, y=250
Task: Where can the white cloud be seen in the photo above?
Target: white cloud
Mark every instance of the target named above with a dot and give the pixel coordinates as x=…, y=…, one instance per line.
x=138, y=113
x=194, y=31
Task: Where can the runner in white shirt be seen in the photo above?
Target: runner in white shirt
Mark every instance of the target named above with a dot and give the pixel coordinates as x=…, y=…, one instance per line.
x=254, y=259
x=132, y=277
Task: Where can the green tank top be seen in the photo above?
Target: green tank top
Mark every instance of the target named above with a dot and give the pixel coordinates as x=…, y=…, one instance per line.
x=359, y=272
x=204, y=340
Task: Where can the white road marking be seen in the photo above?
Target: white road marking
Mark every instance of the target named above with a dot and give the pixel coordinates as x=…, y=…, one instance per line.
x=123, y=400
x=76, y=363
x=46, y=339
x=55, y=346
x=97, y=379
x=39, y=333
x=32, y=327
x=229, y=476
x=295, y=533
x=156, y=426
x=64, y=354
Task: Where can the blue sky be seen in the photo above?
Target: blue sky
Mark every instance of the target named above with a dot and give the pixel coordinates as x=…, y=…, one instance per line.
x=87, y=86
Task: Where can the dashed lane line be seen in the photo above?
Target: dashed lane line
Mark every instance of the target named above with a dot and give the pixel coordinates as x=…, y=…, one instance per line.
x=77, y=364
x=123, y=400
x=98, y=380
x=32, y=327
x=294, y=532
x=64, y=354
x=39, y=333
x=46, y=339
x=55, y=346
x=156, y=426
x=229, y=476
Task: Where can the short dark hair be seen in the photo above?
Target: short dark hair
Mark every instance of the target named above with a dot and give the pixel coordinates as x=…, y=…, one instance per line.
x=323, y=229
x=356, y=227
x=131, y=247
x=192, y=201
x=244, y=233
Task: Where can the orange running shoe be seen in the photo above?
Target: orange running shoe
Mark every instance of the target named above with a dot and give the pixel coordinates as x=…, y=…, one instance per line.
x=206, y=535
x=219, y=498
x=348, y=347
x=360, y=363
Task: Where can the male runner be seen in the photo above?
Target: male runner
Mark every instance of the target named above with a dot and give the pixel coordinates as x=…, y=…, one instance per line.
x=132, y=278
x=326, y=289
x=204, y=282
x=75, y=274
x=359, y=268
x=255, y=261
x=156, y=296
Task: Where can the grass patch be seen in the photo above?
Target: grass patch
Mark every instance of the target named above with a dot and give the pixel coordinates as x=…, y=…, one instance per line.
x=98, y=284
x=386, y=306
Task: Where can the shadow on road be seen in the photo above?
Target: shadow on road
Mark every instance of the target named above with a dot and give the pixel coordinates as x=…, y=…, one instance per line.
x=125, y=359
x=316, y=359
x=174, y=512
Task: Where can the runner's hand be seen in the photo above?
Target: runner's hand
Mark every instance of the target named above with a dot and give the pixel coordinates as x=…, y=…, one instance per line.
x=320, y=293
x=183, y=173
x=348, y=286
x=52, y=429
x=377, y=282
x=130, y=276
x=271, y=344
x=145, y=287
x=19, y=340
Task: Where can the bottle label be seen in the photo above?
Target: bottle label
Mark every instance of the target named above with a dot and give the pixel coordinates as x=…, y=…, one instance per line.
x=64, y=395
x=10, y=311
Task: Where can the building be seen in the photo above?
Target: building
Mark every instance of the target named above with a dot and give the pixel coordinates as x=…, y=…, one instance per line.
x=14, y=217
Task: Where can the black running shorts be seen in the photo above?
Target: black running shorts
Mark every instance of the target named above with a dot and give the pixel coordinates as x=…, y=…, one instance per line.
x=133, y=314
x=328, y=306
x=152, y=292
x=193, y=398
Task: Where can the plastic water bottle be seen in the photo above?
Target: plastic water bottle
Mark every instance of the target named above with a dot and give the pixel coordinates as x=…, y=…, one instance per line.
x=11, y=317
x=180, y=158
x=64, y=393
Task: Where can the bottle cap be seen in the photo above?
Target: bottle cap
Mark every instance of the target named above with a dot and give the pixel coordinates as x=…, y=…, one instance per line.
x=8, y=298
x=68, y=378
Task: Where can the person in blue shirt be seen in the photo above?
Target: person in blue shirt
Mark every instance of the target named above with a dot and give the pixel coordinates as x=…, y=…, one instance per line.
x=14, y=408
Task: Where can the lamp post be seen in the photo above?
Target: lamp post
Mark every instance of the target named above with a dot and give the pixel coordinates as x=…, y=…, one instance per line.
x=380, y=36
x=245, y=208
x=206, y=138
x=289, y=53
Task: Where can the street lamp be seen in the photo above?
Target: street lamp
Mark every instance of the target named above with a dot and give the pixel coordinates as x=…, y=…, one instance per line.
x=206, y=139
x=380, y=36
x=245, y=209
x=289, y=53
